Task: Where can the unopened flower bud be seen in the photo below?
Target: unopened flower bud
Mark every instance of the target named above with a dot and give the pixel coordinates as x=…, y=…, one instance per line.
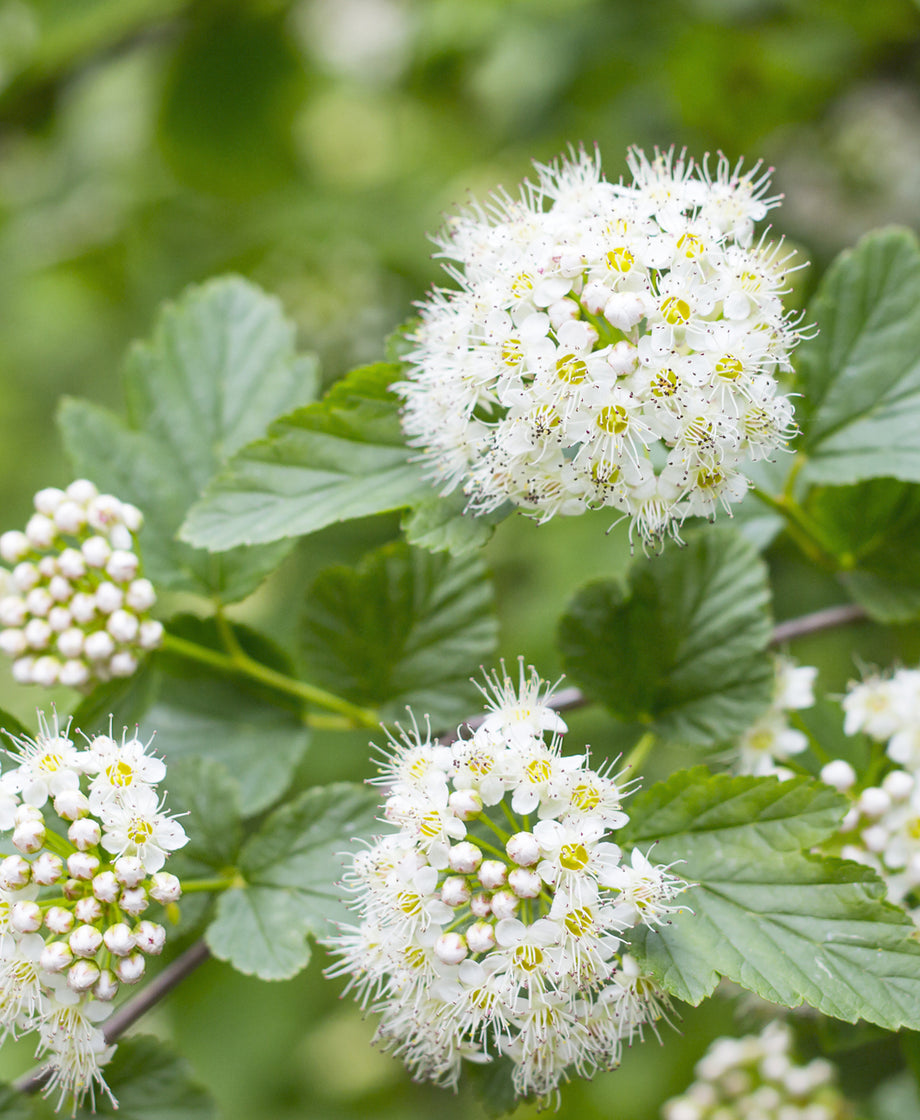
x=899, y=785
x=524, y=883
x=132, y=517
x=129, y=871
x=464, y=857
x=69, y=518
x=37, y=633
x=82, y=976
x=839, y=774
x=25, y=576
x=133, y=901
x=85, y=941
x=56, y=956
x=140, y=596
x=13, y=546
x=874, y=802
x=74, y=674
x=39, y=602
x=504, y=904
x=70, y=642
x=15, y=872
x=106, y=988
x=150, y=634
x=12, y=610
x=81, y=491
x=25, y=917
x=88, y=909
x=164, y=887
x=47, y=869
x=59, y=920
x=73, y=888
x=106, y=887
x=82, y=865
x=12, y=642
x=40, y=531
x=119, y=939
x=122, y=566
x=451, y=948
x=99, y=646
x=123, y=664
x=46, y=671
x=83, y=607
x=29, y=836
x=493, y=874
x=109, y=598
x=481, y=905
x=523, y=849
x=59, y=619
x=71, y=564
x=130, y=969
x=480, y=937
x=59, y=589
x=22, y=670
x=455, y=891
x=96, y=552
x=71, y=804
x=84, y=833
x=151, y=937
x=465, y=803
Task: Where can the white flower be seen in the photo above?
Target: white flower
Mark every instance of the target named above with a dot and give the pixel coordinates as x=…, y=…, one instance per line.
x=491, y=936
x=135, y=826
x=597, y=327
x=771, y=738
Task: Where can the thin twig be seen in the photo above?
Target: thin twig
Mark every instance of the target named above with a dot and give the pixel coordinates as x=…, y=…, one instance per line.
x=129, y=1012
x=807, y=624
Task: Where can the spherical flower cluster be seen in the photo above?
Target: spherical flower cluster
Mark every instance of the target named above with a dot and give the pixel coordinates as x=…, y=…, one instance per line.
x=771, y=739
x=491, y=919
x=74, y=606
x=756, y=1078
x=608, y=344
x=91, y=840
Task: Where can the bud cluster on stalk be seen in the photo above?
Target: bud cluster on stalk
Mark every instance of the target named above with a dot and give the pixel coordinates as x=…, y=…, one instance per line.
x=76, y=923
x=491, y=920
x=74, y=604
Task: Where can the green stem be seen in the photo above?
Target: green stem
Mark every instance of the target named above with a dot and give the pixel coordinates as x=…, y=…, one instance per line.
x=816, y=749
x=218, y=883
x=800, y=528
x=241, y=662
x=489, y=847
x=640, y=751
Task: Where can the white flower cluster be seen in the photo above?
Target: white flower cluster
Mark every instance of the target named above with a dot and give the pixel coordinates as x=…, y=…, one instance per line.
x=72, y=899
x=608, y=345
x=756, y=1078
x=74, y=607
x=771, y=739
x=887, y=709
x=491, y=919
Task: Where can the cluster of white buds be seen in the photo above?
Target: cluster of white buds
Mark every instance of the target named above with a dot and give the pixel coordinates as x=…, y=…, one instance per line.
x=491, y=919
x=91, y=841
x=608, y=344
x=74, y=606
x=771, y=739
x=756, y=1078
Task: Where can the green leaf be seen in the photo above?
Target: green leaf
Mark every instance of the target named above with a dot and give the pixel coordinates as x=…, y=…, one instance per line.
x=119, y=703
x=11, y=726
x=874, y=530
x=681, y=648
x=403, y=628
x=340, y=458
x=860, y=375
x=440, y=525
x=220, y=366
x=493, y=1085
x=151, y=1083
x=203, y=788
x=14, y=1105
x=792, y=927
x=292, y=866
x=198, y=714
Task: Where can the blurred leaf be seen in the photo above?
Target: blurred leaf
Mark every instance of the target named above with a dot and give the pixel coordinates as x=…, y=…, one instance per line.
x=404, y=628
x=874, y=530
x=292, y=866
x=203, y=788
x=896, y=1099
x=150, y=1083
x=861, y=374
x=13, y=1105
x=682, y=648
x=789, y=926
x=230, y=99
x=10, y=725
x=493, y=1085
x=340, y=458
x=220, y=366
x=439, y=524
x=120, y=702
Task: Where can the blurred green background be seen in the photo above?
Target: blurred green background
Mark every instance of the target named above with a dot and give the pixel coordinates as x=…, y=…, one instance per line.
x=310, y=145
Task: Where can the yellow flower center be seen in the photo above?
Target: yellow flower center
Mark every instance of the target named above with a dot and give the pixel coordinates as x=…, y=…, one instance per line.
x=665, y=383
x=139, y=831
x=586, y=798
x=579, y=922
x=571, y=369
x=691, y=244
x=620, y=259
x=729, y=367
x=573, y=857
x=539, y=771
x=676, y=311
x=120, y=773
x=528, y=957
x=614, y=419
